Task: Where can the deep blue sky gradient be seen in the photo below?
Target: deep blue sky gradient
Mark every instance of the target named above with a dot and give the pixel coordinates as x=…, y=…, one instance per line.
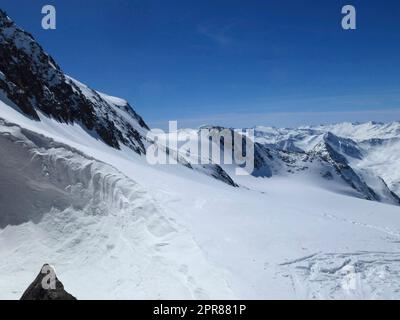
x=229, y=62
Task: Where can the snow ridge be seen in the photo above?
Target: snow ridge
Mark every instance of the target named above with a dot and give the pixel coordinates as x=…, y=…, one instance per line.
x=99, y=227
x=32, y=80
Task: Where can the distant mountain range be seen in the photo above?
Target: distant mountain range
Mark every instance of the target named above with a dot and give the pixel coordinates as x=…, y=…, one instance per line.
x=76, y=191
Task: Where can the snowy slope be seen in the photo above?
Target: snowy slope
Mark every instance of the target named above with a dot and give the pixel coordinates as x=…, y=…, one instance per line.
x=363, y=131
x=116, y=227
x=283, y=239
x=306, y=137
x=33, y=83
x=97, y=226
x=369, y=150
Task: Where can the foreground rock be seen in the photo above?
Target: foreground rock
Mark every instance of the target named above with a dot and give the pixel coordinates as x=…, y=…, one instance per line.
x=46, y=287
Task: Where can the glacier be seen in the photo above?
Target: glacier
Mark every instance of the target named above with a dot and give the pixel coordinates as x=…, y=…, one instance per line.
x=318, y=219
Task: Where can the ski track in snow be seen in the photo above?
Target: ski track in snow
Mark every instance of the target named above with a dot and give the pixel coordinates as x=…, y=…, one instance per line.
x=358, y=275
x=126, y=230
x=385, y=230
x=115, y=227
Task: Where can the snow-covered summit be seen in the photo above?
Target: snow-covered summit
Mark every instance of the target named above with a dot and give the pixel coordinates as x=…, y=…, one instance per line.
x=299, y=227
x=306, y=137
x=33, y=82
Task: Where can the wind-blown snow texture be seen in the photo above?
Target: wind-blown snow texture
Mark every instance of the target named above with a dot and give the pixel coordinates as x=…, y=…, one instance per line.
x=318, y=219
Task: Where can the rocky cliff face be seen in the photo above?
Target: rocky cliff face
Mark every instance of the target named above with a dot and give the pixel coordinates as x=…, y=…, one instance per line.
x=333, y=151
x=33, y=81
x=44, y=287
x=34, y=84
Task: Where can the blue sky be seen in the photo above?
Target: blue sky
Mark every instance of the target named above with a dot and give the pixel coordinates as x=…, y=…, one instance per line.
x=229, y=62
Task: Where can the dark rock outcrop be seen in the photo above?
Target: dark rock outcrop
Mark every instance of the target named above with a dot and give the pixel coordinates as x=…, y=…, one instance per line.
x=46, y=287
x=34, y=84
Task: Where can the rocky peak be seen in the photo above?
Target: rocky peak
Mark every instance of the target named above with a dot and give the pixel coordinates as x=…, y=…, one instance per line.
x=344, y=146
x=33, y=81
x=44, y=287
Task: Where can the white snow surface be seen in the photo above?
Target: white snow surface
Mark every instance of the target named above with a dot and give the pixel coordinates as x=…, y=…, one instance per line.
x=307, y=137
x=115, y=227
x=378, y=144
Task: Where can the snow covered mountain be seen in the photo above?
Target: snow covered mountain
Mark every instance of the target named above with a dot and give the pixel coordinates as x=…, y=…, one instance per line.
x=76, y=191
x=351, y=149
x=305, y=138
x=328, y=159
x=33, y=82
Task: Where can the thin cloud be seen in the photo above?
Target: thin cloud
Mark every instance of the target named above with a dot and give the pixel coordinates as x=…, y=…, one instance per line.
x=219, y=36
